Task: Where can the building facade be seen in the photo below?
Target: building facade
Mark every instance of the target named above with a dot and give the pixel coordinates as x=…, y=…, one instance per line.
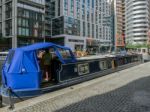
x=137, y=18
x=80, y=24
x=22, y=21
x=119, y=9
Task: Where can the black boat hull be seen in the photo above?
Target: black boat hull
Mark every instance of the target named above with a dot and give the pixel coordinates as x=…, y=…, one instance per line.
x=23, y=95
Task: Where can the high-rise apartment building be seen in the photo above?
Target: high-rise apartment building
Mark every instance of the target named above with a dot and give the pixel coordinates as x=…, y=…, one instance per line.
x=49, y=14
x=80, y=24
x=22, y=21
x=119, y=10
x=137, y=19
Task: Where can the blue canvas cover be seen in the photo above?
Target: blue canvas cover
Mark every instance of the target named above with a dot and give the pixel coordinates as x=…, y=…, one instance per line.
x=22, y=71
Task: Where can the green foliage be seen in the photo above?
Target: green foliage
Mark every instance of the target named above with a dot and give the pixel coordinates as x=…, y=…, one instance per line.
x=137, y=46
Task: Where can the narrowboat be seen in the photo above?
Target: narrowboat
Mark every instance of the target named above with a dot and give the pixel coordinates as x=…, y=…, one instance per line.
x=22, y=74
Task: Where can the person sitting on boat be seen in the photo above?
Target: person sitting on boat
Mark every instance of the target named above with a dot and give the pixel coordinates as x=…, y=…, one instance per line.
x=55, y=66
x=47, y=65
x=40, y=54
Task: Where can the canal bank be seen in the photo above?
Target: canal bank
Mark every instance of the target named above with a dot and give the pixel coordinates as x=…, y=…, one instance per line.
x=126, y=90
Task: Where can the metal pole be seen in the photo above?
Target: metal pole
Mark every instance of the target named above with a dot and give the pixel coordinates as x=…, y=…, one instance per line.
x=11, y=104
x=14, y=20
x=0, y=101
x=44, y=32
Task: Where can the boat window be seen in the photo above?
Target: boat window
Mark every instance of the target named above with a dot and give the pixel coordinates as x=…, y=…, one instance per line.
x=103, y=65
x=10, y=56
x=65, y=53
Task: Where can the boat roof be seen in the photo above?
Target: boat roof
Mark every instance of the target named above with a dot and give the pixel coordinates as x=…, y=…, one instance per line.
x=28, y=50
x=41, y=45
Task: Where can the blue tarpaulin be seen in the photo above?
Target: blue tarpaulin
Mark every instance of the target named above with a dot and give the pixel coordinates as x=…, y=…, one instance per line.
x=22, y=71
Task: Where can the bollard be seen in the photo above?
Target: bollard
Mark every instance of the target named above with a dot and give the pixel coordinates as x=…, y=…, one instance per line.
x=113, y=64
x=0, y=101
x=11, y=104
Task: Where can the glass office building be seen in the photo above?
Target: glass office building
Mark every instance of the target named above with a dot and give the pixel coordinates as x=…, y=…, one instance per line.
x=21, y=21
x=81, y=23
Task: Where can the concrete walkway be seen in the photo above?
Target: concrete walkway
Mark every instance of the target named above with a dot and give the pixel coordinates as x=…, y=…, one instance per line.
x=124, y=91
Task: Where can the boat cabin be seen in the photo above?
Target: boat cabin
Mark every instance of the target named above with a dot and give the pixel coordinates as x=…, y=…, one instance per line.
x=22, y=68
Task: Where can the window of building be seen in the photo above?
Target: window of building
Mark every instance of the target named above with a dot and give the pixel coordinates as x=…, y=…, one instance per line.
x=88, y=14
x=8, y=27
x=30, y=23
x=72, y=26
x=66, y=7
x=97, y=31
x=83, y=14
x=88, y=29
x=58, y=26
x=93, y=30
x=88, y=2
x=93, y=3
x=83, y=1
x=58, y=7
x=0, y=28
x=78, y=9
x=8, y=10
x=71, y=7
x=0, y=10
x=84, y=28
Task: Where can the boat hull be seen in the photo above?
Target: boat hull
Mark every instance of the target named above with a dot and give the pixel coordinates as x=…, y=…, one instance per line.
x=26, y=94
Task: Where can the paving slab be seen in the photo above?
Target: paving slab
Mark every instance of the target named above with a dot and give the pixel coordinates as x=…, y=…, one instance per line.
x=124, y=91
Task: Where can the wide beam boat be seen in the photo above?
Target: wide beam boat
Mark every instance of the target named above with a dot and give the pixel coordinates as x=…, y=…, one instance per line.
x=22, y=74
